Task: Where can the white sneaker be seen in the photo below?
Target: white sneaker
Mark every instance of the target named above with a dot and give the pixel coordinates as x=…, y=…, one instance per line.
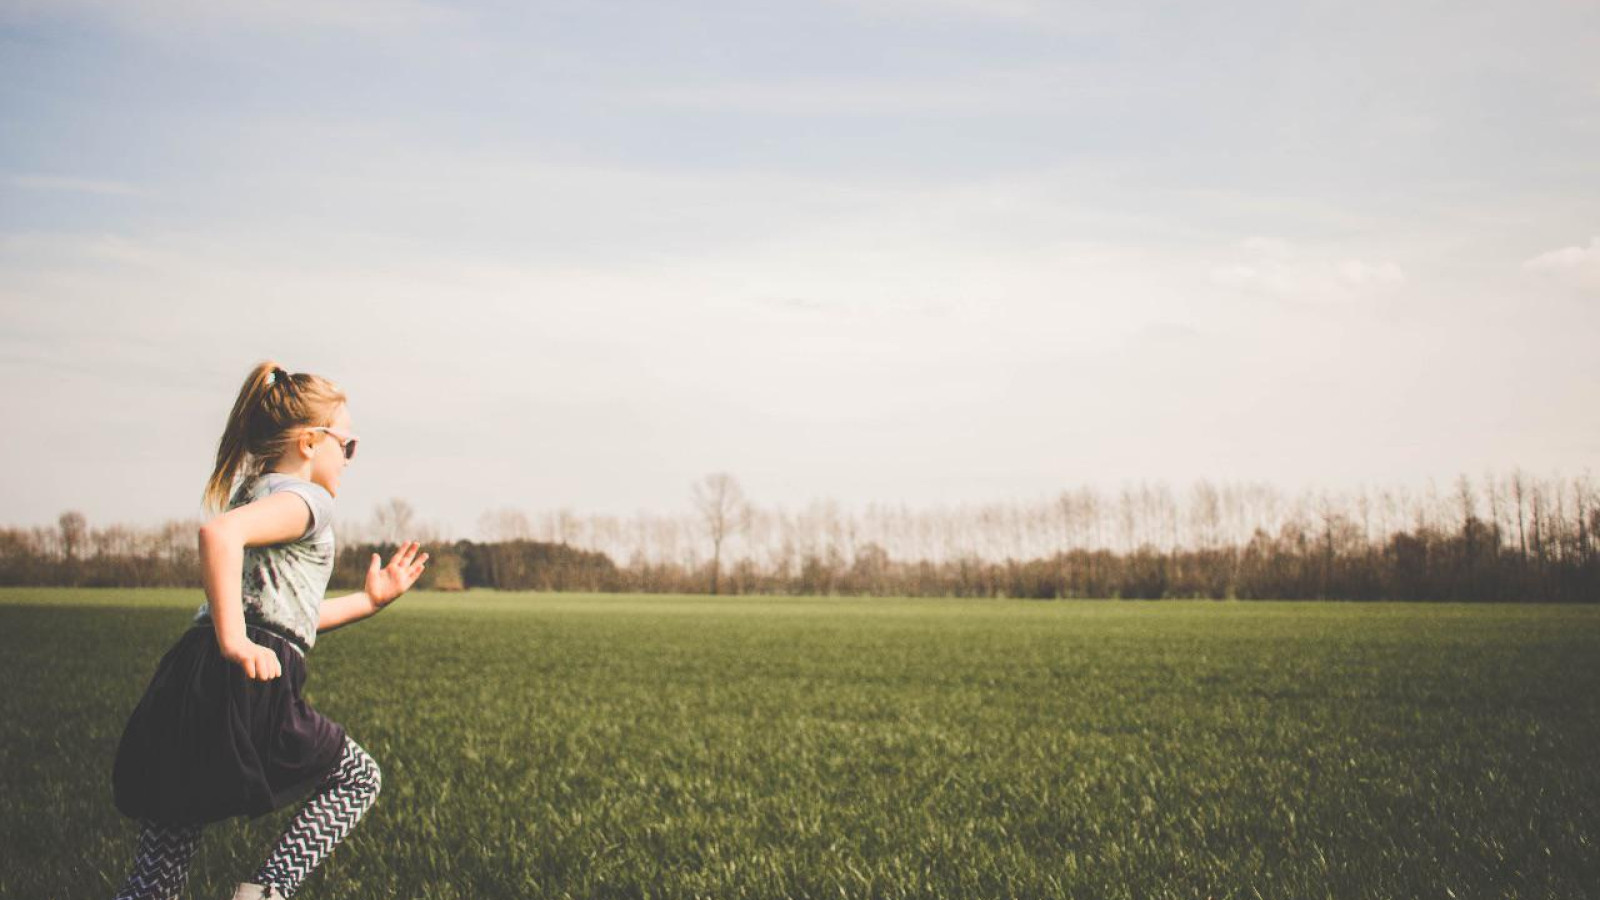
x=248, y=891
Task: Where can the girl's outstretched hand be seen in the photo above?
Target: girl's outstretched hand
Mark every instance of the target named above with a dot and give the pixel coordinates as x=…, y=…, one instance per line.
x=389, y=582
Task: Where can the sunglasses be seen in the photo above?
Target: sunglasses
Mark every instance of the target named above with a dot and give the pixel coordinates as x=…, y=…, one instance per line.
x=347, y=443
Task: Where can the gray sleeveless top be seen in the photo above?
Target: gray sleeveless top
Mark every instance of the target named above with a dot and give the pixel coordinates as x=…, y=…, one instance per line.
x=284, y=583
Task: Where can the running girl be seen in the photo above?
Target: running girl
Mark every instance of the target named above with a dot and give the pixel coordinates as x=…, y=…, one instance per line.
x=223, y=729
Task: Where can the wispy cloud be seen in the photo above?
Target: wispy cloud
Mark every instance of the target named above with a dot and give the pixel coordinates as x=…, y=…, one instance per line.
x=1576, y=265
x=1009, y=89
x=1166, y=332
x=160, y=15
x=79, y=185
x=1288, y=271
x=1073, y=17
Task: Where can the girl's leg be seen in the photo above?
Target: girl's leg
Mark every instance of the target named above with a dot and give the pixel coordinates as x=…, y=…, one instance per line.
x=327, y=817
x=161, y=867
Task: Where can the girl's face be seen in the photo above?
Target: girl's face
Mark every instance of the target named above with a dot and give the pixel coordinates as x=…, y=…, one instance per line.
x=327, y=457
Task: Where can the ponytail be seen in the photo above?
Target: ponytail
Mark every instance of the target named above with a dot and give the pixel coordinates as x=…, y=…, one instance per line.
x=271, y=404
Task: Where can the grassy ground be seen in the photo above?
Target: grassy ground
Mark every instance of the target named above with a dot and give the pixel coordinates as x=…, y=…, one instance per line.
x=604, y=746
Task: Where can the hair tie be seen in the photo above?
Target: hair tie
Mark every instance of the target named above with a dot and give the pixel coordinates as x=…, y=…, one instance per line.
x=272, y=377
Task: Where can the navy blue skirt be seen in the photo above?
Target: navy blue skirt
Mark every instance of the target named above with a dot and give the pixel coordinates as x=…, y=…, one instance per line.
x=207, y=742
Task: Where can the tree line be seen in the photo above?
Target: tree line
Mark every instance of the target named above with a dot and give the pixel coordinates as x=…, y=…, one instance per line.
x=1502, y=538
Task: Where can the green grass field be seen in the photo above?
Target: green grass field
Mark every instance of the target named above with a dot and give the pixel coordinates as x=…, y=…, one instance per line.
x=540, y=745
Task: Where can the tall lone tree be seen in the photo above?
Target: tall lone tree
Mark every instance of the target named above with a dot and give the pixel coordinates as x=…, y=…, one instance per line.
x=74, y=532
x=74, y=529
x=724, y=510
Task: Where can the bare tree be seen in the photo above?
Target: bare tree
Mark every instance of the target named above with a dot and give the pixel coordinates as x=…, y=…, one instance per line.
x=1580, y=494
x=74, y=529
x=724, y=512
x=505, y=524
x=74, y=534
x=1492, y=490
x=393, y=521
x=1205, y=516
x=1518, y=489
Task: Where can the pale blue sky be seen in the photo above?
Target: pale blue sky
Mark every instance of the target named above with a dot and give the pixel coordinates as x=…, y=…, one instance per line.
x=579, y=254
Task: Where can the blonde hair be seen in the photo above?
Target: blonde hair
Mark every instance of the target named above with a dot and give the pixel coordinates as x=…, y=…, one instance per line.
x=272, y=404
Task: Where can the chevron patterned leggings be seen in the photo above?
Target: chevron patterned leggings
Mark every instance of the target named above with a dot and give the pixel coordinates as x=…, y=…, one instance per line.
x=165, y=851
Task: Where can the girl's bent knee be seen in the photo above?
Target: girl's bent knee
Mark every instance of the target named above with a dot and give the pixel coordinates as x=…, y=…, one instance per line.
x=363, y=770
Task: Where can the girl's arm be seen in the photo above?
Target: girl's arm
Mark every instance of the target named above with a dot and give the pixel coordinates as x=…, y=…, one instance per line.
x=383, y=587
x=337, y=611
x=273, y=519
